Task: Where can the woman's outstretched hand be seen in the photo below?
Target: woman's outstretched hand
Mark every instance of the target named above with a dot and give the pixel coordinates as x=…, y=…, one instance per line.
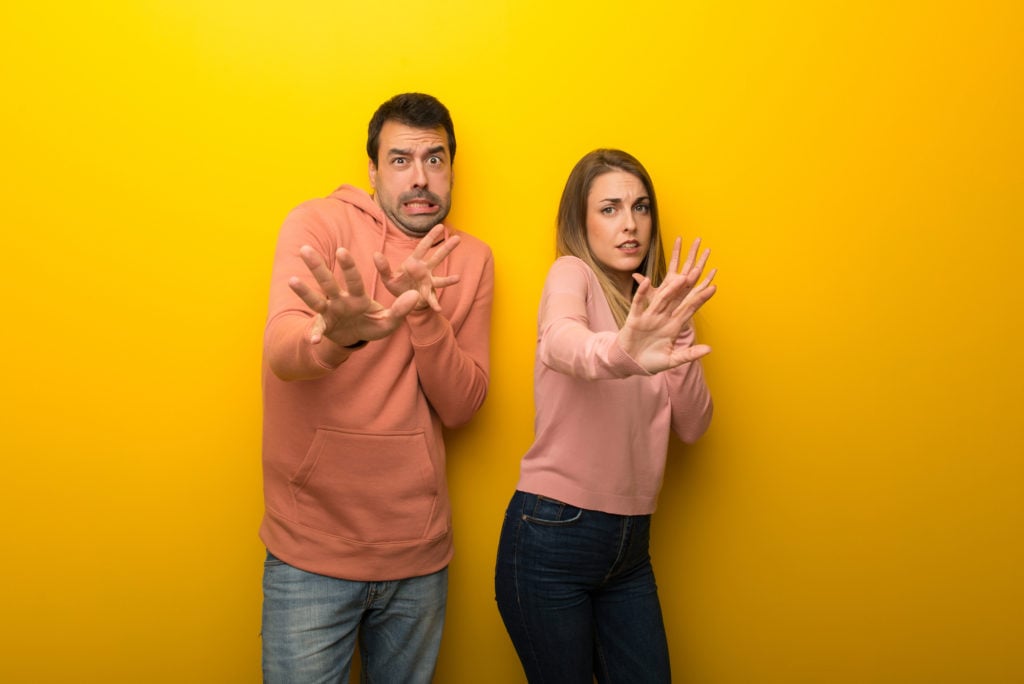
x=658, y=315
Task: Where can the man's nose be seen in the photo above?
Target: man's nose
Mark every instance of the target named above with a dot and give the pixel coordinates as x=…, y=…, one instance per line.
x=419, y=175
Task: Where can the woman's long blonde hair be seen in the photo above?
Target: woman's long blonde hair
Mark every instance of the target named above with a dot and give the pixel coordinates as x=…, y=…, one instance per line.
x=571, y=234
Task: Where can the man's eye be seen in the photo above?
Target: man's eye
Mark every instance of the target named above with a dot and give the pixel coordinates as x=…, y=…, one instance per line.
x=434, y=161
x=398, y=161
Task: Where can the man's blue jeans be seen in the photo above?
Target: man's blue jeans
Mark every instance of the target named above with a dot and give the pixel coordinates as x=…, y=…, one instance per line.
x=310, y=623
x=576, y=591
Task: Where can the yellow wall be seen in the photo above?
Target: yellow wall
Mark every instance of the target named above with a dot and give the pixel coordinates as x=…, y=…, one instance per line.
x=854, y=514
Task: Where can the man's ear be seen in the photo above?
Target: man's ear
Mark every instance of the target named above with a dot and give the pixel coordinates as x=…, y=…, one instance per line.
x=372, y=173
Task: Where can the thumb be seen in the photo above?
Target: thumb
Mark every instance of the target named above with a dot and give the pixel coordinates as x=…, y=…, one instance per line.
x=316, y=333
x=405, y=302
x=689, y=354
x=383, y=267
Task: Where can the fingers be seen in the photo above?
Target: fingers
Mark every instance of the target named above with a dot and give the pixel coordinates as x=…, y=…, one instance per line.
x=405, y=303
x=711, y=276
x=322, y=274
x=428, y=241
x=697, y=297
x=313, y=299
x=330, y=288
x=694, y=274
x=639, y=303
x=690, y=256
x=677, y=246
x=316, y=333
x=445, y=281
x=446, y=248
x=668, y=296
x=383, y=267
x=424, y=284
x=688, y=354
x=353, y=279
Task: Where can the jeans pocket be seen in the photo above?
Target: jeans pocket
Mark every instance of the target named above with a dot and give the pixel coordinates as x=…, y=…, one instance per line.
x=546, y=511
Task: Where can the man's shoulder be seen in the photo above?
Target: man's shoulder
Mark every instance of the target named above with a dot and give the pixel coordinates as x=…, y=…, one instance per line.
x=470, y=246
x=328, y=212
x=320, y=206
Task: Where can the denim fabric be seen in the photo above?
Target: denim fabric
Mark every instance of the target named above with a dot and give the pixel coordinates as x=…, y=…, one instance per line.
x=576, y=591
x=310, y=623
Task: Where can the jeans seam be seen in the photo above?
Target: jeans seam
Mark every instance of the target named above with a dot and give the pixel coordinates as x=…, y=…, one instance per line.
x=614, y=568
x=519, y=603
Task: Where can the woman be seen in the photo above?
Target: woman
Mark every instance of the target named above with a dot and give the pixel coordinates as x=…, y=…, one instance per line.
x=616, y=369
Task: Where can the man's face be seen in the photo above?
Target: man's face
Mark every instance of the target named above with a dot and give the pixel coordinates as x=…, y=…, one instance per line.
x=412, y=176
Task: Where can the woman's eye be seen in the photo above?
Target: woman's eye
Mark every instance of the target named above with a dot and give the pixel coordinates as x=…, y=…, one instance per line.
x=607, y=211
x=642, y=208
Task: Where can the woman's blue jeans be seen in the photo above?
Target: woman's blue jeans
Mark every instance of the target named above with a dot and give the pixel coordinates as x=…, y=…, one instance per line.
x=310, y=624
x=576, y=591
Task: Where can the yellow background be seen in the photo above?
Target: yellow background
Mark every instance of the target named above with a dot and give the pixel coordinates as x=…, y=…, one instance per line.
x=853, y=515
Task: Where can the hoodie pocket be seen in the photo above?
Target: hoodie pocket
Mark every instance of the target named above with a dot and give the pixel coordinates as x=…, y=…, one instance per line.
x=372, y=488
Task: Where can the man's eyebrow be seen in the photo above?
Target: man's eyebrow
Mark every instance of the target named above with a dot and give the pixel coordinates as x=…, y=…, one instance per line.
x=406, y=152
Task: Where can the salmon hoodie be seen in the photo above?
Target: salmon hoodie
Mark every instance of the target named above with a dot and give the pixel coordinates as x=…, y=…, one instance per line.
x=353, y=454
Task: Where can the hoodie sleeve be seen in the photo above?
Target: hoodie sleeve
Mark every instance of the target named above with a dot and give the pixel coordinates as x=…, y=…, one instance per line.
x=453, y=355
x=286, y=344
x=566, y=342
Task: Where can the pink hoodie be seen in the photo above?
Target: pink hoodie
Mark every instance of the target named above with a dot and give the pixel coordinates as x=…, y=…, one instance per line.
x=353, y=455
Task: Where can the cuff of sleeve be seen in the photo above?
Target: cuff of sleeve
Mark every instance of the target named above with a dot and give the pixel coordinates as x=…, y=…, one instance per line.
x=318, y=354
x=328, y=354
x=426, y=327
x=622, y=362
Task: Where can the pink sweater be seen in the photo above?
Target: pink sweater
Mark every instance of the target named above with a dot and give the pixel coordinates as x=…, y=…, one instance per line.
x=602, y=422
x=353, y=455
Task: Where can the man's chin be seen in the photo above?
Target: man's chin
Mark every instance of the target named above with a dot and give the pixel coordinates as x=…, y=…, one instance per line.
x=421, y=224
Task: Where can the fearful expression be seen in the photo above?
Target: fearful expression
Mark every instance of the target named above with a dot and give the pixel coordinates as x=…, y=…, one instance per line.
x=619, y=225
x=412, y=176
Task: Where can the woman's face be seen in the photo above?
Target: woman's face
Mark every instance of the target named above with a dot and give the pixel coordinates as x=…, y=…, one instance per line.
x=619, y=224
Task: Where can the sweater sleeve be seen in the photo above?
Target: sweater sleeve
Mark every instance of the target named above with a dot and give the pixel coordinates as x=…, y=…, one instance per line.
x=691, y=399
x=453, y=361
x=567, y=343
x=286, y=345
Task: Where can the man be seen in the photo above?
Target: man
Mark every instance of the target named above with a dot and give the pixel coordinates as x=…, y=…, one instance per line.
x=376, y=338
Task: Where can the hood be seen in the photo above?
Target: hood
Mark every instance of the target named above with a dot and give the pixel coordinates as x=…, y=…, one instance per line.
x=364, y=202
x=387, y=231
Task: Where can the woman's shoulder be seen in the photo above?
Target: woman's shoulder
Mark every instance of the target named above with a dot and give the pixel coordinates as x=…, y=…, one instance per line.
x=569, y=266
x=571, y=274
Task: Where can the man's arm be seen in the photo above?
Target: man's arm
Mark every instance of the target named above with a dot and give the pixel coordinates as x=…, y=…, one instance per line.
x=454, y=364
x=312, y=325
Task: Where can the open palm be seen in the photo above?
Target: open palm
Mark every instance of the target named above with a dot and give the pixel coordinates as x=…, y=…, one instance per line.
x=658, y=315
